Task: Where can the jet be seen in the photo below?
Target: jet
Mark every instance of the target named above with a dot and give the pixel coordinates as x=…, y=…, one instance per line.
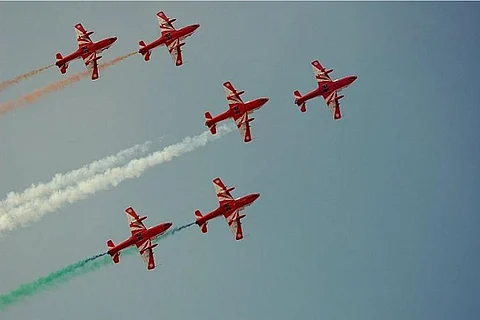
x=238, y=110
x=228, y=207
x=141, y=237
x=327, y=88
x=87, y=50
x=170, y=37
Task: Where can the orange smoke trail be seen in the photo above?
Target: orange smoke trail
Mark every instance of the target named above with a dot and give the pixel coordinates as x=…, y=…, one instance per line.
x=5, y=84
x=55, y=86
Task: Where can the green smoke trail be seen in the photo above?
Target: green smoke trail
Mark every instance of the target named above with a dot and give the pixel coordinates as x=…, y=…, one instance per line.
x=68, y=273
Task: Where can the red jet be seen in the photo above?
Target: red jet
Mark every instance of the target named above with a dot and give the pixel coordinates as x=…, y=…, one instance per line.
x=228, y=207
x=170, y=37
x=87, y=50
x=141, y=237
x=238, y=110
x=327, y=88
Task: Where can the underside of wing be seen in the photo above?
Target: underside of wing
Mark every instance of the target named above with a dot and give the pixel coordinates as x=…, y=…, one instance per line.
x=146, y=251
x=134, y=221
x=333, y=104
x=164, y=22
x=232, y=95
x=83, y=37
x=175, y=50
x=243, y=125
x=321, y=75
x=235, y=225
x=222, y=192
x=92, y=64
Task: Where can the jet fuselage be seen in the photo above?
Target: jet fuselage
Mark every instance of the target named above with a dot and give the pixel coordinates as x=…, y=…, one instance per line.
x=140, y=236
x=85, y=50
x=227, y=208
x=327, y=87
x=238, y=109
x=167, y=37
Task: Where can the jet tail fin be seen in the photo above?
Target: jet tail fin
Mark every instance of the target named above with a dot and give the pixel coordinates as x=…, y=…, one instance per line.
x=212, y=127
x=63, y=67
x=203, y=226
x=298, y=102
x=145, y=54
x=116, y=256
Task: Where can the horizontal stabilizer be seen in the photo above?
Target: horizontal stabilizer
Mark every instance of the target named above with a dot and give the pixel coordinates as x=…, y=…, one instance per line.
x=212, y=127
x=145, y=54
x=116, y=256
x=110, y=244
x=203, y=226
x=63, y=67
x=298, y=96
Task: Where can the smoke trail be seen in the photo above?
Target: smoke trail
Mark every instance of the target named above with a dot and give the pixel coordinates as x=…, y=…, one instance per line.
x=175, y=230
x=7, y=83
x=53, y=279
x=55, y=86
x=63, y=180
x=66, y=274
x=34, y=210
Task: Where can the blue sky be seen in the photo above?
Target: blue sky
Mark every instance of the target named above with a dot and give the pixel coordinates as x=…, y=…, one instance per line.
x=371, y=217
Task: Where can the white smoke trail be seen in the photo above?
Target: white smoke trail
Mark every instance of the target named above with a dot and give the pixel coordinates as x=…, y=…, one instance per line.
x=62, y=180
x=34, y=210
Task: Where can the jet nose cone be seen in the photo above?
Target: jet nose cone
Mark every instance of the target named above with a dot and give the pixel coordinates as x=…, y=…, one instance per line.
x=113, y=39
x=196, y=26
x=168, y=225
x=264, y=100
x=354, y=78
x=255, y=196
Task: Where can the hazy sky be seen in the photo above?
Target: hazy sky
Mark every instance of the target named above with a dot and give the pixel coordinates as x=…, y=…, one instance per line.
x=371, y=217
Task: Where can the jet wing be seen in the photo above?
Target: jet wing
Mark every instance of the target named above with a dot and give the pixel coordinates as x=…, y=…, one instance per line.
x=222, y=192
x=235, y=224
x=321, y=75
x=134, y=221
x=92, y=64
x=145, y=249
x=83, y=37
x=333, y=104
x=243, y=124
x=232, y=95
x=175, y=50
x=165, y=23
x=89, y=58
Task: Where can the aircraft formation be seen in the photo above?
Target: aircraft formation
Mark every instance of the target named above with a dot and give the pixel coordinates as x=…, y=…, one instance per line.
x=238, y=110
